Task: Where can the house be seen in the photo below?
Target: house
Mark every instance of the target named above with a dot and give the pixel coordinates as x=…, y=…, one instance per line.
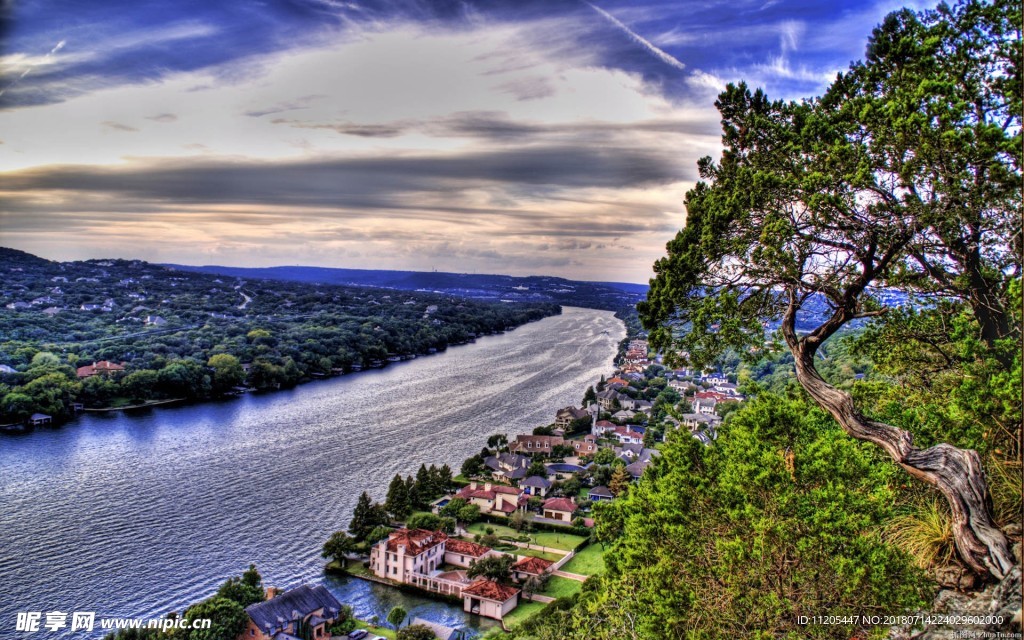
x=610, y=398
x=602, y=427
x=155, y=321
x=617, y=381
x=440, y=631
x=18, y=306
x=463, y=553
x=585, y=447
x=625, y=414
x=529, y=567
x=629, y=450
x=103, y=367
x=303, y=612
x=727, y=388
x=682, y=386
x=568, y=415
x=704, y=406
x=491, y=498
x=490, y=599
x=637, y=468
x=696, y=421
x=6, y=368
x=508, y=465
x=38, y=419
x=531, y=444
x=598, y=494
x=406, y=553
x=625, y=435
x=535, y=486
x=559, y=509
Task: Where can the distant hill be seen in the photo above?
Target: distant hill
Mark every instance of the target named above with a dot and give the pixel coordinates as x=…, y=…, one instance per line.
x=596, y=295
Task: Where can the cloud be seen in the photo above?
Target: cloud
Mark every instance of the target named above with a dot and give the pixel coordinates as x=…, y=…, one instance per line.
x=117, y=126
x=163, y=117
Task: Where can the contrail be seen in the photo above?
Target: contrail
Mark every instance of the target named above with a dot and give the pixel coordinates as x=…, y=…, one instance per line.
x=55, y=49
x=646, y=44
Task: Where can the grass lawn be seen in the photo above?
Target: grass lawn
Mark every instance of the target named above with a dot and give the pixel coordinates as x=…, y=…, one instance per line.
x=559, y=587
x=536, y=553
x=522, y=612
x=376, y=631
x=552, y=539
x=556, y=540
x=588, y=561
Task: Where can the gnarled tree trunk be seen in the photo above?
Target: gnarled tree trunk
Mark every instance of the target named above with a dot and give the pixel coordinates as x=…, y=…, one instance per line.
x=957, y=473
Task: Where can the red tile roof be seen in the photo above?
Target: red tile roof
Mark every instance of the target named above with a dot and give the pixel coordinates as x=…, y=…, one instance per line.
x=489, y=590
x=476, y=490
x=559, y=504
x=532, y=566
x=103, y=366
x=415, y=541
x=466, y=548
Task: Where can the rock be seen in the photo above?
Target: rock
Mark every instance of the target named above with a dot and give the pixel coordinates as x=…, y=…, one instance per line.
x=955, y=577
x=1000, y=601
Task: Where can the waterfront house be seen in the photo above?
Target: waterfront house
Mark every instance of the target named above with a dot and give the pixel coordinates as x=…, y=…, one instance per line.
x=535, y=486
x=408, y=552
x=39, y=419
x=463, y=553
x=566, y=416
x=559, y=509
x=306, y=612
x=529, y=567
x=531, y=444
x=490, y=599
x=491, y=498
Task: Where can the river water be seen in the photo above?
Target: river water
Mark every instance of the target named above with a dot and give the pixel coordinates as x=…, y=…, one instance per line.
x=139, y=513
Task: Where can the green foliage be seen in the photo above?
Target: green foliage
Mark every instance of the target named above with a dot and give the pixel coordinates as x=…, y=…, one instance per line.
x=366, y=516
x=926, y=534
x=227, y=616
x=398, y=502
x=416, y=632
x=338, y=546
x=397, y=616
x=245, y=590
x=780, y=518
x=491, y=567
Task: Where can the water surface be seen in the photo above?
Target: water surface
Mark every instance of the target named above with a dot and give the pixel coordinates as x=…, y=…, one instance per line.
x=143, y=512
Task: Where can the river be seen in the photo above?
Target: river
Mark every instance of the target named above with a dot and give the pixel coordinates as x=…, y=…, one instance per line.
x=143, y=512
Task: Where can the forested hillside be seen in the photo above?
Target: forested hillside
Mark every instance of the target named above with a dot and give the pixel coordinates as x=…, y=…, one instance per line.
x=192, y=335
x=840, y=494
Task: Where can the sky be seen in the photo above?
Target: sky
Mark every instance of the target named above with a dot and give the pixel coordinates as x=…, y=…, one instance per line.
x=523, y=137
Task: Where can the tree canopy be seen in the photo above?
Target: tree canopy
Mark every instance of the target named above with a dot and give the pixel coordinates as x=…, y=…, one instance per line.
x=901, y=183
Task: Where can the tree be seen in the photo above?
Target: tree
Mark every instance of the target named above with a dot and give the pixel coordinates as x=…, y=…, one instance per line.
x=619, y=482
x=604, y=456
x=366, y=516
x=518, y=520
x=416, y=632
x=228, y=619
x=497, y=441
x=491, y=567
x=227, y=371
x=589, y=397
x=245, y=590
x=904, y=175
x=397, y=616
x=536, y=468
x=397, y=502
x=472, y=466
x=338, y=546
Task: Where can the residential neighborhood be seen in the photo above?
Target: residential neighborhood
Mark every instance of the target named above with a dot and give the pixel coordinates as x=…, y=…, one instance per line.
x=512, y=531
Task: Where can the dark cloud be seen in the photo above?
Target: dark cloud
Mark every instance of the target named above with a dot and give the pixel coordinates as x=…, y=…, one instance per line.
x=117, y=126
x=371, y=183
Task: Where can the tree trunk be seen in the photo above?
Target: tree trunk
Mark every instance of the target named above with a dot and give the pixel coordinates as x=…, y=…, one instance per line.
x=957, y=473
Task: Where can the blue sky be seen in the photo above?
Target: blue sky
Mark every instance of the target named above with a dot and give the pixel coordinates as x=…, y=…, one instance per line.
x=520, y=137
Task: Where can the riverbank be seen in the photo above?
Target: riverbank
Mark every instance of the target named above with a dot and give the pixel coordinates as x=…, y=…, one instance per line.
x=144, y=405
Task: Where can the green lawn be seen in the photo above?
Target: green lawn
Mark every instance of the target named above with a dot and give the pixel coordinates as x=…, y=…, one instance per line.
x=559, y=587
x=588, y=561
x=522, y=612
x=374, y=630
x=536, y=553
x=556, y=540
x=552, y=539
